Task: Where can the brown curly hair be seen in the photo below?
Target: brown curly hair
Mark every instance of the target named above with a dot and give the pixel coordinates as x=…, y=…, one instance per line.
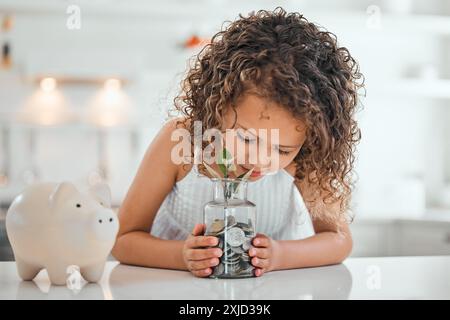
x=296, y=64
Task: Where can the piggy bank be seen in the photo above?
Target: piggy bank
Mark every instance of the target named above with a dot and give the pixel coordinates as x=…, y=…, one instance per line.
x=53, y=226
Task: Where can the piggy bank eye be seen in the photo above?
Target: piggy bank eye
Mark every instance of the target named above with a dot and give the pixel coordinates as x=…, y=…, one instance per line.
x=78, y=205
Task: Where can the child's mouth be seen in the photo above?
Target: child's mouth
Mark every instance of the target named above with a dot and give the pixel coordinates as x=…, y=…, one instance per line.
x=255, y=174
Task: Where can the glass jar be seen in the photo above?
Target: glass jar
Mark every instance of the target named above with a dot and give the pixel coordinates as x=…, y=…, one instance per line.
x=232, y=219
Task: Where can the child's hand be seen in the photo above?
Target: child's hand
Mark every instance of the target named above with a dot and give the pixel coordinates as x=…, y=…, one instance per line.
x=264, y=254
x=197, y=256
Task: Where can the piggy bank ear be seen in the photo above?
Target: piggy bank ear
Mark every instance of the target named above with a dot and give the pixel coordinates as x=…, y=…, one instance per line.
x=102, y=193
x=62, y=192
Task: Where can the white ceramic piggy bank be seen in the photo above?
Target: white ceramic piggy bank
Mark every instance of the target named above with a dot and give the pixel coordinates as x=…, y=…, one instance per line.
x=53, y=226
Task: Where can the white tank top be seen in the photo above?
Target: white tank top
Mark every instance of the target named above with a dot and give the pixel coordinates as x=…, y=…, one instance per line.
x=280, y=210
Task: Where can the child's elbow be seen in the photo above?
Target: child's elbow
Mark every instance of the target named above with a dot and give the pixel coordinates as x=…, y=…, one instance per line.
x=118, y=251
x=345, y=245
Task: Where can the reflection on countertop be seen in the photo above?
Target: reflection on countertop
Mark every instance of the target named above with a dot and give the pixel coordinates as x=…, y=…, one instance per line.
x=356, y=278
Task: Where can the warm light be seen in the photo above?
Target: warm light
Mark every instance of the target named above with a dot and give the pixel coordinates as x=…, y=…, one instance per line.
x=112, y=84
x=111, y=106
x=46, y=106
x=48, y=84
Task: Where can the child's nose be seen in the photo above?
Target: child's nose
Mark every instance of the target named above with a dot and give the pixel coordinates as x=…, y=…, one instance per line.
x=263, y=162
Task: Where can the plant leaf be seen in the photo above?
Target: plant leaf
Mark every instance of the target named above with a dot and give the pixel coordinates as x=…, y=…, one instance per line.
x=245, y=175
x=231, y=166
x=223, y=168
x=212, y=171
x=225, y=156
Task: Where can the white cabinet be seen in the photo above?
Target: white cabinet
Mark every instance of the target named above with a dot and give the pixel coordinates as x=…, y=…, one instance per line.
x=371, y=238
x=423, y=238
x=400, y=237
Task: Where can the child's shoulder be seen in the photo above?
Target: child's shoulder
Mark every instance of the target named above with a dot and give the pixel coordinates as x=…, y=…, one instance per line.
x=174, y=123
x=167, y=132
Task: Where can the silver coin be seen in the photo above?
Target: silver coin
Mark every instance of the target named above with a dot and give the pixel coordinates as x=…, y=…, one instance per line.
x=237, y=250
x=229, y=252
x=244, y=265
x=247, y=244
x=235, y=237
x=231, y=221
x=234, y=259
x=217, y=226
x=220, y=244
x=218, y=270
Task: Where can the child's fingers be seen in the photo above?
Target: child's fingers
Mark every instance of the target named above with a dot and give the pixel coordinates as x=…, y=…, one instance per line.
x=260, y=263
x=202, y=273
x=261, y=240
x=259, y=272
x=201, y=254
x=201, y=241
x=199, y=229
x=263, y=253
x=195, y=265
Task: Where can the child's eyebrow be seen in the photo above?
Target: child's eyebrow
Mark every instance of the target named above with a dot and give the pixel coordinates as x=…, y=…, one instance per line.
x=280, y=145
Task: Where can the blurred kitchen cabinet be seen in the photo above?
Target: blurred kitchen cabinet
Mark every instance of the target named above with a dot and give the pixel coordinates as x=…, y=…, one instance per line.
x=372, y=238
x=400, y=237
x=420, y=238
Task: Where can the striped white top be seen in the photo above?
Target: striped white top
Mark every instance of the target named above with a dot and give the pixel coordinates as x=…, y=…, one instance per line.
x=280, y=210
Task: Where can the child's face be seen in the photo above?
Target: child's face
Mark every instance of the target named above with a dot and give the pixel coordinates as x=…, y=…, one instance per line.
x=254, y=115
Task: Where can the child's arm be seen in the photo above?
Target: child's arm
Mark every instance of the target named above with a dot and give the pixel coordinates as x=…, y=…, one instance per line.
x=326, y=247
x=154, y=180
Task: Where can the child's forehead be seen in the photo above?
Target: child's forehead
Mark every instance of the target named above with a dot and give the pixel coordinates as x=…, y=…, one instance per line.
x=254, y=113
x=260, y=111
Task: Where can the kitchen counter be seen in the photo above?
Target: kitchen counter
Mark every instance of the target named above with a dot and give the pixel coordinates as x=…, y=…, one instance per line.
x=356, y=278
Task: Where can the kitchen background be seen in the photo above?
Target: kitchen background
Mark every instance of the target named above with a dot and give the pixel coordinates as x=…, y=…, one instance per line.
x=85, y=85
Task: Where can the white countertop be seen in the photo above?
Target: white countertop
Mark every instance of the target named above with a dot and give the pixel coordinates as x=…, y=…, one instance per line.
x=356, y=278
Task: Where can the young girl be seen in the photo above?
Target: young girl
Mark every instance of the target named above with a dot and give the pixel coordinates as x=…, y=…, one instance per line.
x=270, y=70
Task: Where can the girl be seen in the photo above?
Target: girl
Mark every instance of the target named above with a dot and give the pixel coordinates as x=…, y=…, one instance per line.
x=275, y=71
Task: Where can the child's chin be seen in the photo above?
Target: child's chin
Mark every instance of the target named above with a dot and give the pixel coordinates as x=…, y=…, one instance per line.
x=252, y=179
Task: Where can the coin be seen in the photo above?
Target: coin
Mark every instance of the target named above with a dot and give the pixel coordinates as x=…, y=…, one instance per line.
x=220, y=244
x=231, y=221
x=218, y=270
x=232, y=262
x=245, y=257
x=247, y=244
x=236, y=237
x=237, y=250
x=244, y=265
x=217, y=226
x=235, y=241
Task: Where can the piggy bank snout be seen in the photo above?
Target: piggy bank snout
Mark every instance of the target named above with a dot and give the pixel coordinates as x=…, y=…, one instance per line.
x=105, y=225
x=105, y=218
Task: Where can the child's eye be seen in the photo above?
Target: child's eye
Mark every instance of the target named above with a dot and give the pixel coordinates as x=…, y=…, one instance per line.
x=246, y=139
x=282, y=152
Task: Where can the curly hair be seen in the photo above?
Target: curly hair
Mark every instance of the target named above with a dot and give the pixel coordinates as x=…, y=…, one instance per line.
x=296, y=64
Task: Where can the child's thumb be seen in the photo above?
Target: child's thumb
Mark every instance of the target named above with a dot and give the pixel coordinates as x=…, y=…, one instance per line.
x=198, y=229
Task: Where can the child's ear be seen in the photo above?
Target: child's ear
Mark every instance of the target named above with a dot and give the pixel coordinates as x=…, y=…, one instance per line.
x=61, y=193
x=102, y=193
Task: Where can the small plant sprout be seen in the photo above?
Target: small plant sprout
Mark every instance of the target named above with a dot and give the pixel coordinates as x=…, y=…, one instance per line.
x=225, y=163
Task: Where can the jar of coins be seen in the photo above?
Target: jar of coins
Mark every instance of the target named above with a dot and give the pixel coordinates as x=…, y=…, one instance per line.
x=232, y=219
